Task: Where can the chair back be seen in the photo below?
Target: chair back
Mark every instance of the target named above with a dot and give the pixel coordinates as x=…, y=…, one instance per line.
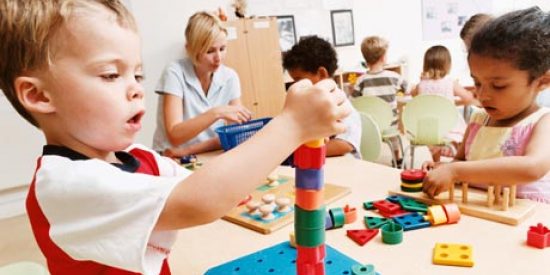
x=428, y=118
x=371, y=139
x=377, y=108
x=23, y=268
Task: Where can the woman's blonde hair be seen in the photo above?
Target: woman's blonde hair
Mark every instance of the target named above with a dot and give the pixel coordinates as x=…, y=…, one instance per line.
x=373, y=48
x=437, y=62
x=202, y=30
x=27, y=33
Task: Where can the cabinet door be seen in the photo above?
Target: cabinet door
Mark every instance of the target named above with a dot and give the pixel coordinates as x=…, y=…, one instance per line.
x=266, y=64
x=237, y=59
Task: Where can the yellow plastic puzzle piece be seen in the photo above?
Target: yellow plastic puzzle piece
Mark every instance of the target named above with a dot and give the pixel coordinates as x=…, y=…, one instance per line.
x=453, y=254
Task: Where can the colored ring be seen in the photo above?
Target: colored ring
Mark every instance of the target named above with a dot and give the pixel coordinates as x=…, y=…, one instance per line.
x=412, y=181
x=350, y=214
x=437, y=214
x=413, y=174
x=309, y=199
x=338, y=216
x=305, y=219
x=405, y=189
x=309, y=178
x=316, y=143
x=310, y=158
x=452, y=211
x=310, y=255
x=309, y=237
x=328, y=222
x=412, y=185
x=392, y=233
x=363, y=270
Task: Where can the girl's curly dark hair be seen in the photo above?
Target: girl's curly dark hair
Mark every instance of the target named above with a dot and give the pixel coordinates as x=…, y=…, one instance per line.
x=311, y=53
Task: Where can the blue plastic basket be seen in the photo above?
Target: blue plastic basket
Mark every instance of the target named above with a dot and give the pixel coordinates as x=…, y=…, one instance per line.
x=235, y=134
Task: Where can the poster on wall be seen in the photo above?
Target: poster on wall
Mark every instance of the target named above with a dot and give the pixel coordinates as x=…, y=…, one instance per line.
x=342, y=27
x=443, y=19
x=287, y=31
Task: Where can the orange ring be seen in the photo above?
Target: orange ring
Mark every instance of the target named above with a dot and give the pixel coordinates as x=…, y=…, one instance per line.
x=309, y=199
x=350, y=214
x=316, y=143
x=452, y=211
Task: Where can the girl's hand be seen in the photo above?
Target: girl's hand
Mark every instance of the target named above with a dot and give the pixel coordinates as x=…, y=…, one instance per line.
x=439, y=179
x=232, y=113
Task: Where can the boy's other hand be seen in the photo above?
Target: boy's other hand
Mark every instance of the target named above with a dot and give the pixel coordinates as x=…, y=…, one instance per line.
x=316, y=110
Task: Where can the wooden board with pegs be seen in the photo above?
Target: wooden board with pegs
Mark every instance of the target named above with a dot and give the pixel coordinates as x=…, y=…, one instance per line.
x=477, y=205
x=283, y=189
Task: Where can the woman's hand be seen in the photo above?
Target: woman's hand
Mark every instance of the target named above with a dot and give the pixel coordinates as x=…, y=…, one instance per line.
x=232, y=113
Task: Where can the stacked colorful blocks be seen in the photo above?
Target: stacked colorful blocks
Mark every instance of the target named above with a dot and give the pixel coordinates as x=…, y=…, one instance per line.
x=310, y=213
x=411, y=180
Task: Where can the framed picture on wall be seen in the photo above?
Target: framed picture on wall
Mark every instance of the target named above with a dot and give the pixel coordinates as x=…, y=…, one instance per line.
x=287, y=31
x=342, y=27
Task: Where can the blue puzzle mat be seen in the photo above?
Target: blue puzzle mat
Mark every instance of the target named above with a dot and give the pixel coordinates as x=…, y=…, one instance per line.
x=281, y=259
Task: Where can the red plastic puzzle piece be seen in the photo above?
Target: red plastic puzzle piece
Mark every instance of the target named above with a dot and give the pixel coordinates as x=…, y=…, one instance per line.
x=362, y=236
x=310, y=158
x=387, y=206
x=538, y=236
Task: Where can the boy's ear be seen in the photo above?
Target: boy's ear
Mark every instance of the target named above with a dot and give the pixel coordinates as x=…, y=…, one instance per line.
x=323, y=73
x=544, y=81
x=32, y=96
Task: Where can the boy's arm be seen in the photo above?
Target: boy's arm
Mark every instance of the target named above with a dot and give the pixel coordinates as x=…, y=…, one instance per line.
x=206, y=195
x=211, y=144
x=502, y=171
x=338, y=147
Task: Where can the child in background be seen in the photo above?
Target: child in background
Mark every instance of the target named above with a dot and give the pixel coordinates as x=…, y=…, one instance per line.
x=315, y=59
x=473, y=24
x=99, y=204
x=379, y=82
x=506, y=142
x=435, y=81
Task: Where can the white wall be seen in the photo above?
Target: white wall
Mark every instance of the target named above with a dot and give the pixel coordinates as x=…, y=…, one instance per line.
x=162, y=24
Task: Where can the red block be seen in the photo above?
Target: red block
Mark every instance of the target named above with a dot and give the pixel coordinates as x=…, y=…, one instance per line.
x=387, y=206
x=310, y=269
x=310, y=255
x=362, y=236
x=538, y=236
x=310, y=158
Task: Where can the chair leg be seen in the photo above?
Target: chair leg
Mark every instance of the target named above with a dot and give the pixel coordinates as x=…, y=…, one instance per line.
x=393, y=159
x=412, y=156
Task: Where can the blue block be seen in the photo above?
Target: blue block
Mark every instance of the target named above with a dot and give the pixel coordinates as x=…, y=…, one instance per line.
x=412, y=221
x=396, y=198
x=281, y=259
x=329, y=224
x=309, y=178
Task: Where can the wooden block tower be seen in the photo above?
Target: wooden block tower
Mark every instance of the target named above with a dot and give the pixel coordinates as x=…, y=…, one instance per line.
x=309, y=219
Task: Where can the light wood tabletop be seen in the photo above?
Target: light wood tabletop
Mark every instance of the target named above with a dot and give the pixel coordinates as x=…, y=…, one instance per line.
x=497, y=248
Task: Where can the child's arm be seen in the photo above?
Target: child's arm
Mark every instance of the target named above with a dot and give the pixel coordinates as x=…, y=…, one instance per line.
x=338, y=147
x=309, y=113
x=466, y=97
x=211, y=144
x=179, y=131
x=500, y=171
x=414, y=91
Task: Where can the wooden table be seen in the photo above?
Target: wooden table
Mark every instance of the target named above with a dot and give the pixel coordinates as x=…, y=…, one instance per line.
x=497, y=248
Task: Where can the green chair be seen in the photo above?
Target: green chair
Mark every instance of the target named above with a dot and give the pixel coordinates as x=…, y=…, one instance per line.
x=370, y=138
x=382, y=113
x=427, y=119
x=23, y=268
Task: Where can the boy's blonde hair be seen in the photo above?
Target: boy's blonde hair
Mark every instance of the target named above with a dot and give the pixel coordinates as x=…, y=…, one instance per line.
x=373, y=48
x=27, y=33
x=202, y=30
x=437, y=62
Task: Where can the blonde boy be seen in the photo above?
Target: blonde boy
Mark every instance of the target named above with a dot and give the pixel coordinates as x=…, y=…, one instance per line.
x=99, y=204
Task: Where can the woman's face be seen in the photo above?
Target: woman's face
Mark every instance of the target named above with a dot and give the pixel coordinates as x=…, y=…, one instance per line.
x=214, y=56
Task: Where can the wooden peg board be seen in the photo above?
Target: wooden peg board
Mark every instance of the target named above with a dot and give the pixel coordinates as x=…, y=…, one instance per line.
x=240, y=216
x=477, y=205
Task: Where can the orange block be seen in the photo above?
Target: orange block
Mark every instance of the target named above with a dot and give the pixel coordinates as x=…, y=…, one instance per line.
x=309, y=199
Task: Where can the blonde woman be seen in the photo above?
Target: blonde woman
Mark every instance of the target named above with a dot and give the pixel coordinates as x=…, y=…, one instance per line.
x=198, y=93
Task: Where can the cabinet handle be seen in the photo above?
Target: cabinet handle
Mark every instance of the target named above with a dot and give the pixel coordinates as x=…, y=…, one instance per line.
x=255, y=103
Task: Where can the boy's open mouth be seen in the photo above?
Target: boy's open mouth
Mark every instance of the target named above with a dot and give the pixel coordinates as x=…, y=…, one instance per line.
x=136, y=118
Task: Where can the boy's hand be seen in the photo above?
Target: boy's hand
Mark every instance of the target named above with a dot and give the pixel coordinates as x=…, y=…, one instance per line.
x=232, y=113
x=438, y=180
x=316, y=110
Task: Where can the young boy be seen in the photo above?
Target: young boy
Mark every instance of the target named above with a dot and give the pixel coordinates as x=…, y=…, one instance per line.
x=99, y=204
x=315, y=59
x=379, y=82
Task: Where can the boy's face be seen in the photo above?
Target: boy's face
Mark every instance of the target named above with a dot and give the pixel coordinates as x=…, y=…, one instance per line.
x=213, y=58
x=94, y=83
x=298, y=74
x=503, y=90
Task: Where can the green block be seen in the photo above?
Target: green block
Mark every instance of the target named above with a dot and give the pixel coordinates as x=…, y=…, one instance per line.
x=413, y=206
x=338, y=217
x=392, y=233
x=306, y=219
x=375, y=222
x=363, y=270
x=309, y=237
x=369, y=205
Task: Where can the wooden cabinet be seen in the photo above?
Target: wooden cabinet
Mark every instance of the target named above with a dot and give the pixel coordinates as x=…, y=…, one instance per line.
x=253, y=51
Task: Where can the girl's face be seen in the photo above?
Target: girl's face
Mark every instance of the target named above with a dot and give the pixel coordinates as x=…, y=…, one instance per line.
x=503, y=90
x=214, y=56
